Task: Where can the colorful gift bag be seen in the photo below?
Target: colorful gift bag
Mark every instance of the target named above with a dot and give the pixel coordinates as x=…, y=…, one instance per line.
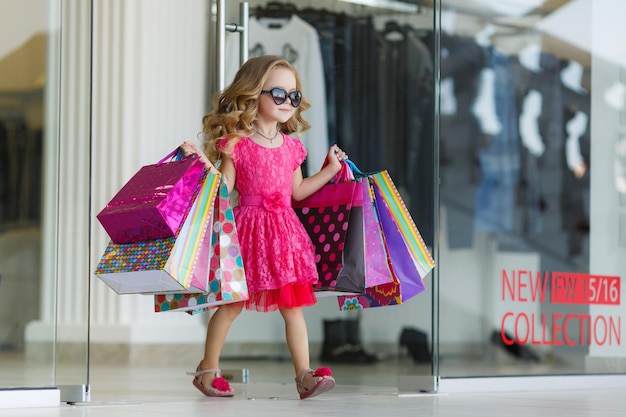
x=407, y=256
x=189, y=303
x=227, y=278
x=326, y=218
x=154, y=202
x=172, y=264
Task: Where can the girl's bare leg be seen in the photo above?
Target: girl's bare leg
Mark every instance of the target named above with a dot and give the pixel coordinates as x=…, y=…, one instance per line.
x=217, y=329
x=298, y=342
x=297, y=338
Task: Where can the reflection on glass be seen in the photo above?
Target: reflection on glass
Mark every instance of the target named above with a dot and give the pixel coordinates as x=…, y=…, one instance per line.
x=23, y=61
x=620, y=167
x=518, y=289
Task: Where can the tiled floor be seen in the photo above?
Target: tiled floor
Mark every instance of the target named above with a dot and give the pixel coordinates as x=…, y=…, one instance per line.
x=361, y=391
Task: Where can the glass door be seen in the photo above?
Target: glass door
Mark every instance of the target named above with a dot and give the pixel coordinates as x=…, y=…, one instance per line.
x=367, y=67
x=44, y=200
x=29, y=74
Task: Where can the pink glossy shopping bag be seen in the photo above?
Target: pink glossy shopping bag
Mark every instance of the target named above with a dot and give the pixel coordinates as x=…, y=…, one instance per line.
x=154, y=202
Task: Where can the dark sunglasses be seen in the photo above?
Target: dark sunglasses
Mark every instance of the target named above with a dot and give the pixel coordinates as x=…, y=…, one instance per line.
x=280, y=96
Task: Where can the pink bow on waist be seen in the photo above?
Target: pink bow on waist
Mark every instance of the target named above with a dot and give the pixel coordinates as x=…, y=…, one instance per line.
x=275, y=202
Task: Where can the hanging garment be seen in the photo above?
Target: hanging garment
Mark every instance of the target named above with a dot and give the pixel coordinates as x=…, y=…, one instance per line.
x=575, y=188
x=541, y=153
x=499, y=158
x=297, y=42
x=407, y=97
x=463, y=60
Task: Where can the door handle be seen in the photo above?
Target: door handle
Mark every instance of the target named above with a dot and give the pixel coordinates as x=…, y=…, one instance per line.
x=222, y=27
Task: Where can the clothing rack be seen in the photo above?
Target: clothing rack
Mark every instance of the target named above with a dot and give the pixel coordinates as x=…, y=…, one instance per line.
x=276, y=9
x=390, y=5
x=461, y=7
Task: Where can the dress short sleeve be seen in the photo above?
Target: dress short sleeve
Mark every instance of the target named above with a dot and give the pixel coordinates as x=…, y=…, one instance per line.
x=222, y=145
x=299, y=153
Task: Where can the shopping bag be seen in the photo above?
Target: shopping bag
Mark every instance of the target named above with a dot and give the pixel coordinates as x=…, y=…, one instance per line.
x=393, y=210
x=172, y=264
x=377, y=269
x=407, y=256
x=154, y=202
x=191, y=304
x=227, y=278
x=326, y=216
x=351, y=275
x=364, y=262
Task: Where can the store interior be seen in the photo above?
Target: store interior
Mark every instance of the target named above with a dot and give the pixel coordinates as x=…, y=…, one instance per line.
x=481, y=111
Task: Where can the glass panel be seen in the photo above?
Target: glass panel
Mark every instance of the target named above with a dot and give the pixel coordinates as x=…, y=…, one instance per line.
x=368, y=72
x=531, y=157
x=72, y=221
x=29, y=57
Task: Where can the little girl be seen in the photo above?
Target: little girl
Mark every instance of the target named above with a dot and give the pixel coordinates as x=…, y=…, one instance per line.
x=248, y=139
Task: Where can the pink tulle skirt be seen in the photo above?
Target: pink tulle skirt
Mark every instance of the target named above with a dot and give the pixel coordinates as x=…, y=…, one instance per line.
x=288, y=296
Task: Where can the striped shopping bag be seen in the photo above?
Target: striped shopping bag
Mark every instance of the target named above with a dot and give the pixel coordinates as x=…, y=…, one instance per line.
x=387, y=193
x=408, y=258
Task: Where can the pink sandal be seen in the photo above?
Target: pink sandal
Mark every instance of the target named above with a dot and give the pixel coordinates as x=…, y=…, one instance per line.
x=219, y=387
x=325, y=384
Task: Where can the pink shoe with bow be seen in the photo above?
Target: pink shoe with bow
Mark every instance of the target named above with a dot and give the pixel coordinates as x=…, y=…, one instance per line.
x=219, y=386
x=315, y=387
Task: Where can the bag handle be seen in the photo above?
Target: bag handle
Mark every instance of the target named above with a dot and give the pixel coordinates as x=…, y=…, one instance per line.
x=344, y=174
x=355, y=170
x=348, y=172
x=177, y=154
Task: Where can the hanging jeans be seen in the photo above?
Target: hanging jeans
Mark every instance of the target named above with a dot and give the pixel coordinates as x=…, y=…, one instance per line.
x=499, y=161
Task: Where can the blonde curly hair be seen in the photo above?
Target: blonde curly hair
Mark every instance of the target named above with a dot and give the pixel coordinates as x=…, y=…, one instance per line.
x=235, y=108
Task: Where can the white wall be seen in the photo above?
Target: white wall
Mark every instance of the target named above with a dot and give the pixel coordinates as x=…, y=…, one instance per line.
x=21, y=29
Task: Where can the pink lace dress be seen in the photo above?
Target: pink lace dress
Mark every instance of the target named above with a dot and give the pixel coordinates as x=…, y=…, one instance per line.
x=277, y=252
